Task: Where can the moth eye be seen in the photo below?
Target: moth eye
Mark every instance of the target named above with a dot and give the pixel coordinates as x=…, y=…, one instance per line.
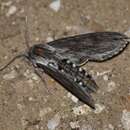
x=39, y=51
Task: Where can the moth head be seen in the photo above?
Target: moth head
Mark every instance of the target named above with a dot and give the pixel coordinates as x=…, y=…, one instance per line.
x=40, y=50
x=40, y=53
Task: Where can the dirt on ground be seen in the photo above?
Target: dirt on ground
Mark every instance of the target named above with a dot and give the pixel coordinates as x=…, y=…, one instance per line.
x=24, y=102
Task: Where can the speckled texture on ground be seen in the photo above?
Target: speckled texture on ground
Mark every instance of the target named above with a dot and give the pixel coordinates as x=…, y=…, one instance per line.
x=24, y=102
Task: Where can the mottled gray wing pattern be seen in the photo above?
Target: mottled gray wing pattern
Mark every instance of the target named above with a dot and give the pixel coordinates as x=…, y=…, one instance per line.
x=98, y=46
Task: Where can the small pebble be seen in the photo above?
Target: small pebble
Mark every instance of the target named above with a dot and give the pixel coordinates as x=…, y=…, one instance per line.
x=37, y=39
x=8, y=3
x=80, y=110
x=99, y=108
x=26, y=73
x=20, y=107
x=125, y=119
x=111, y=86
x=105, y=77
x=24, y=122
x=34, y=77
x=72, y=97
x=55, y=5
x=87, y=127
x=49, y=39
x=5, y=4
x=37, y=127
x=77, y=29
x=44, y=111
x=74, y=125
x=12, y=10
x=54, y=122
x=10, y=75
x=31, y=75
x=5, y=57
x=103, y=73
x=30, y=99
x=17, y=66
x=128, y=32
x=93, y=73
x=30, y=82
x=41, y=128
x=111, y=127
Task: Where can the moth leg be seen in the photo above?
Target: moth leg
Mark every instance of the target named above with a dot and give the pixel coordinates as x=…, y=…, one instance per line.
x=40, y=75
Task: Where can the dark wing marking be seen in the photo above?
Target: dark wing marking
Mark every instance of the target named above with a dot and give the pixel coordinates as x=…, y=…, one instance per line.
x=98, y=46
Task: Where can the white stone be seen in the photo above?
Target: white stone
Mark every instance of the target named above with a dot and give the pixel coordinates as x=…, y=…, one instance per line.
x=125, y=119
x=49, y=39
x=12, y=10
x=10, y=75
x=73, y=98
x=8, y=3
x=31, y=75
x=44, y=111
x=99, y=108
x=54, y=122
x=55, y=5
x=34, y=77
x=37, y=127
x=87, y=127
x=26, y=73
x=128, y=32
x=105, y=77
x=37, y=39
x=111, y=127
x=74, y=125
x=103, y=73
x=80, y=110
x=111, y=86
x=30, y=98
x=77, y=29
x=5, y=57
x=5, y=4
x=20, y=107
x=41, y=128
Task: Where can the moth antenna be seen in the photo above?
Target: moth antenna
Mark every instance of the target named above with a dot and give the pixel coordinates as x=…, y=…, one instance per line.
x=26, y=34
x=37, y=72
x=26, y=27
x=12, y=60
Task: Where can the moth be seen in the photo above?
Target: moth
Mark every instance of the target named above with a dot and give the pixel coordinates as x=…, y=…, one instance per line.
x=63, y=59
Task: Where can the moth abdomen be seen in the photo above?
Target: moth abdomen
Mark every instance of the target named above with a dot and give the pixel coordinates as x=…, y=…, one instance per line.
x=78, y=74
